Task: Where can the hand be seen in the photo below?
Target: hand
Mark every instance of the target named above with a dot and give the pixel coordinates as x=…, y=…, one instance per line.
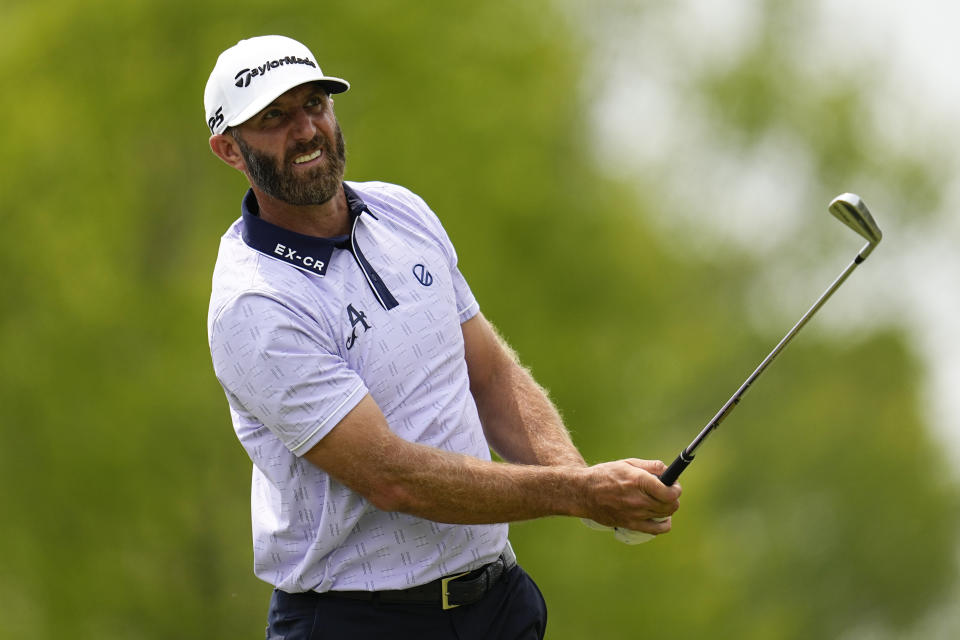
x=628, y=495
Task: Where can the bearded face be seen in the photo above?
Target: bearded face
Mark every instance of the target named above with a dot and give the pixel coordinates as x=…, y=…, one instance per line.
x=280, y=179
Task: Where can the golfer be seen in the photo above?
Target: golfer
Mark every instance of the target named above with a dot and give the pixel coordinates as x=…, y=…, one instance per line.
x=368, y=389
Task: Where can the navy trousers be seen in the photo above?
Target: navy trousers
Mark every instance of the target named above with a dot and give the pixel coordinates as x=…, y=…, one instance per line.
x=512, y=610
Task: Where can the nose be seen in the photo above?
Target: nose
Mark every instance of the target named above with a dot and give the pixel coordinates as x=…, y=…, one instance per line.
x=303, y=126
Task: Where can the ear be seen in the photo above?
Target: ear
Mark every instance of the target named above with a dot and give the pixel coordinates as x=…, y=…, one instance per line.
x=227, y=149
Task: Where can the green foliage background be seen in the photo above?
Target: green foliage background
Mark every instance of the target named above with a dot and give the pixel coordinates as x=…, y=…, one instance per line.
x=124, y=493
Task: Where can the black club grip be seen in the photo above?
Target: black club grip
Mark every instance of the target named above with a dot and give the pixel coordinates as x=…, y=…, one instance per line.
x=675, y=469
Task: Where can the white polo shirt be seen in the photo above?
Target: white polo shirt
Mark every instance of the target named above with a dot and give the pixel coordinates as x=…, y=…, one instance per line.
x=300, y=329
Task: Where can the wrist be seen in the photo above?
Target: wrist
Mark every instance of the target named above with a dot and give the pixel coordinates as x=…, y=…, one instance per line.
x=577, y=484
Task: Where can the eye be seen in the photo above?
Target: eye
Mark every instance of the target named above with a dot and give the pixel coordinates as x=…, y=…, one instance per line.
x=271, y=114
x=316, y=102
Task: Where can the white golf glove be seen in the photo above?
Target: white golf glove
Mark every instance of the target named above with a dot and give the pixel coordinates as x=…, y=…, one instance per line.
x=626, y=536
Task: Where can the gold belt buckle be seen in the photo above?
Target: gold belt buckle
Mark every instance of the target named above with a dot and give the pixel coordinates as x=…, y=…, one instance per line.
x=445, y=595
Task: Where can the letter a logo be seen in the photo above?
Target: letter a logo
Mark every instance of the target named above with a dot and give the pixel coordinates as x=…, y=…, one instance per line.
x=355, y=317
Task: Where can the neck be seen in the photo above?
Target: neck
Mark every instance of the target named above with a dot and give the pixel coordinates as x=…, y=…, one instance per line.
x=321, y=220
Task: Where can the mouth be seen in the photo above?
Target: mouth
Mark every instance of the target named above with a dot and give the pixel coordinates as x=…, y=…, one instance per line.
x=308, y=157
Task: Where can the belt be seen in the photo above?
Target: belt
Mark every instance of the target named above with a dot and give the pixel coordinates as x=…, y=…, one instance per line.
x=448, y=592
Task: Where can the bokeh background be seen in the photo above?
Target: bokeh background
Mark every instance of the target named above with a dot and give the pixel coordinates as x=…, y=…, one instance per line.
x=638, y=193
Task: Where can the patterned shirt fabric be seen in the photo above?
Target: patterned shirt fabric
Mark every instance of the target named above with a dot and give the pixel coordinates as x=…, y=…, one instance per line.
x=300, y=330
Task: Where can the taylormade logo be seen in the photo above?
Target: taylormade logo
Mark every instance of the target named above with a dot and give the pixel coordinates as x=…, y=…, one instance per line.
x=244, y=76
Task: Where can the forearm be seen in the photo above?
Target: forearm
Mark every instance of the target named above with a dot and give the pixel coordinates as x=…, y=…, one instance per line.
x=521, y=423
x=519, y=420
x=454, y=488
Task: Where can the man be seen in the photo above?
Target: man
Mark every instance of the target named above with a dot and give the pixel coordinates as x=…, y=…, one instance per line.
x=368, y=389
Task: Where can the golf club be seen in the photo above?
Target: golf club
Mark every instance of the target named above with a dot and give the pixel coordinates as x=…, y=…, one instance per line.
x=850, y=209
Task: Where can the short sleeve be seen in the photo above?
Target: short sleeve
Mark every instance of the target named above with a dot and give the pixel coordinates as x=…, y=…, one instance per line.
x=467, y=305
x=282, y=370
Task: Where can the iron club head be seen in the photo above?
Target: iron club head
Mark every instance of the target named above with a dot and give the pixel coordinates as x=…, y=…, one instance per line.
x=853, y=212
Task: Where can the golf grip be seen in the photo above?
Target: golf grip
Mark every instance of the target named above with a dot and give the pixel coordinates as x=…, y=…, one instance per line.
x=675, y=469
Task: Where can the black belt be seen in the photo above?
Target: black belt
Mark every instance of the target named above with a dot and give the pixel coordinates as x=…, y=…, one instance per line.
x=449, y=592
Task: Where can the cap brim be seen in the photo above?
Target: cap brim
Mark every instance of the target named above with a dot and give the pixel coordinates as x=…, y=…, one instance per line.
x=330, y=84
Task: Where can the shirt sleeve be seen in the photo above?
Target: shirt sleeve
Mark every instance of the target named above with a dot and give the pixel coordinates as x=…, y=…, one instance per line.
x=282, y=370
x=467, y=305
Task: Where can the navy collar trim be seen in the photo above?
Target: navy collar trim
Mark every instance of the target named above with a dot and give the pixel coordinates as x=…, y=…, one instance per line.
x=310, y=253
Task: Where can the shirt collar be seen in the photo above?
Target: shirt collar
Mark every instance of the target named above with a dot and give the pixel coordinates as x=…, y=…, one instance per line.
x=308, y=253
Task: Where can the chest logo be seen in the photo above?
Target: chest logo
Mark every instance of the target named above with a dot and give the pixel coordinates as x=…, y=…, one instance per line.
x=423, y=276
x=356, y=317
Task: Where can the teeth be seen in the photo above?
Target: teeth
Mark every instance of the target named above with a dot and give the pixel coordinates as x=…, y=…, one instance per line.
x=302, y=159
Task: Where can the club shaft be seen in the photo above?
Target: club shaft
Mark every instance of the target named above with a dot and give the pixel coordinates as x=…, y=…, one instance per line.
x=686, y=456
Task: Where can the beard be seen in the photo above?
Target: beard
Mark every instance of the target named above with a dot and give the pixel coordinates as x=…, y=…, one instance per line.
x=279, y=181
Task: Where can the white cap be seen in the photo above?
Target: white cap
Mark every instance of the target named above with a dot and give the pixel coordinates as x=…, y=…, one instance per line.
x=252, y=73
